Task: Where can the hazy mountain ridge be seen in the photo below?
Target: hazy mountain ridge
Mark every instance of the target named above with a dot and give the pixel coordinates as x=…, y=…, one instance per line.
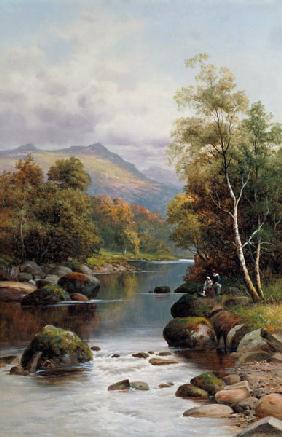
x=111, y=175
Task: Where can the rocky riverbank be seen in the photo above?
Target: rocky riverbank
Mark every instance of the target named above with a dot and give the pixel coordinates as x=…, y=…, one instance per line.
x=253, y=388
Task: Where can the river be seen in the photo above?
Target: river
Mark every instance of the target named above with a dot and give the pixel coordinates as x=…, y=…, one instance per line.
x=125, y=318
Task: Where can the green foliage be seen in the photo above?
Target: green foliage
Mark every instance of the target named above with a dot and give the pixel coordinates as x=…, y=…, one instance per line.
x=69, y=173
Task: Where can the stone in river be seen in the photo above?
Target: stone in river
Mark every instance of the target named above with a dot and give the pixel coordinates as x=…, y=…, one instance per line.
x=7, y=360
x=161, y=362
x=191, y=391
x=209, y=382
x=11, y=291
x=211, y=410
x=162, y=289
x=47, y=295
x=190, y=332
x=166, y=384
x=59, y=348
x=76, y=282
x=140, y=355
x=115, y=355
x=18, y=370
x=270, y=405
x=96, y=348
x=79, y=297
x=267, y=427
x=139, y=385
x=164, y=354
x=120, y=385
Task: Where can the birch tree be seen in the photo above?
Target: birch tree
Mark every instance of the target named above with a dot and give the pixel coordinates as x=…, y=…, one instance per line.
x=214, y=128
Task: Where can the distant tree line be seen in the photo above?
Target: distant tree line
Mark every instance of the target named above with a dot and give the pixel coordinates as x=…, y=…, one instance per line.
x=52, y=219
x=229, y=155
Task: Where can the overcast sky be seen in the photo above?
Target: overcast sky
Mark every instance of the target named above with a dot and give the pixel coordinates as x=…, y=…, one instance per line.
x=85, y=71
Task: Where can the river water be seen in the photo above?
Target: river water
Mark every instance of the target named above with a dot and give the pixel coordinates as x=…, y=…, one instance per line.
x=125, y=318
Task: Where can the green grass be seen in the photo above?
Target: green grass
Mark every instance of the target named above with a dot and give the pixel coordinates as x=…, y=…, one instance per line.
x=112, y=257
x=267, y=314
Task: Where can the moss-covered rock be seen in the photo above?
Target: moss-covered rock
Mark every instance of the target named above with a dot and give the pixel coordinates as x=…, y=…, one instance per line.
x=190, y=332
x=47, y=295
x=189, y=288
x=188, y=391
x=209, y=382
x=77, y=282
x=58, y=348
x=191, y=306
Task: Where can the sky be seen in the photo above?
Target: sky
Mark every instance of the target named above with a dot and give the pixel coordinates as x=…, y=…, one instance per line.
x=76, y=72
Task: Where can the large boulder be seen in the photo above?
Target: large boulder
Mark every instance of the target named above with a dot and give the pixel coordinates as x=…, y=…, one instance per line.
x=267, y=427
x=190, y=332
x=54, y=348
x=274, y=339
x=59, y=271
x=11, y=291
x=253, y=341
x=233, y=394
x=210, y=410
x=48, y=280
x=48, y=295
x=209, y=382
x=76, y=282
x=32, y=268
x=189, y=288
x=189, y=391
x=191, y=306
x=270, y=405
x=235, y=335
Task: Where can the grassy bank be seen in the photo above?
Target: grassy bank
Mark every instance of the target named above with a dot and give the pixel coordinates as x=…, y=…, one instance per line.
x=267, y=314
x=109, y=257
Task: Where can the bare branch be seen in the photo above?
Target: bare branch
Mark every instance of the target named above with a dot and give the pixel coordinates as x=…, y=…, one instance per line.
x=250, y=239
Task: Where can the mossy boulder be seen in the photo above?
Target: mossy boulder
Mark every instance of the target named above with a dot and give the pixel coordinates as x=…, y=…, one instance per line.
x=189, y=288
x=209, y=382
x=54, y=348
x=191, y=306
x=190, y=332
x=47, y=295
x=189, y=391
x=77, y=282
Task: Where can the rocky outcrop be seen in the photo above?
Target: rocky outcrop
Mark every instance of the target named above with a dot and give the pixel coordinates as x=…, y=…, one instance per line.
x=191, y=288
x=191, y=306
x=270, y=405
x=48, y=295
x=209, y=382
x=59, y=271
x=267, y=427
x=32, y=268
x=190, y=332
x=274, y=339
x=211, y=410
x=57, y=348
x=235, y=335
x=76, y=282
x=253, y=342
x=11, y=291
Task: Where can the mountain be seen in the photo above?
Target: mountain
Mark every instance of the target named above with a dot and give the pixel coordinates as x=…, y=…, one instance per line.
x=163, y=176
x=110, y=174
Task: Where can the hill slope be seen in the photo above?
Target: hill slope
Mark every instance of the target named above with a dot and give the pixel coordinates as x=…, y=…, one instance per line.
x=110, y=174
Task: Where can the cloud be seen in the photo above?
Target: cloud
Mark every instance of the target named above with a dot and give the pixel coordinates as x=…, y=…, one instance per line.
x=98, y=90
